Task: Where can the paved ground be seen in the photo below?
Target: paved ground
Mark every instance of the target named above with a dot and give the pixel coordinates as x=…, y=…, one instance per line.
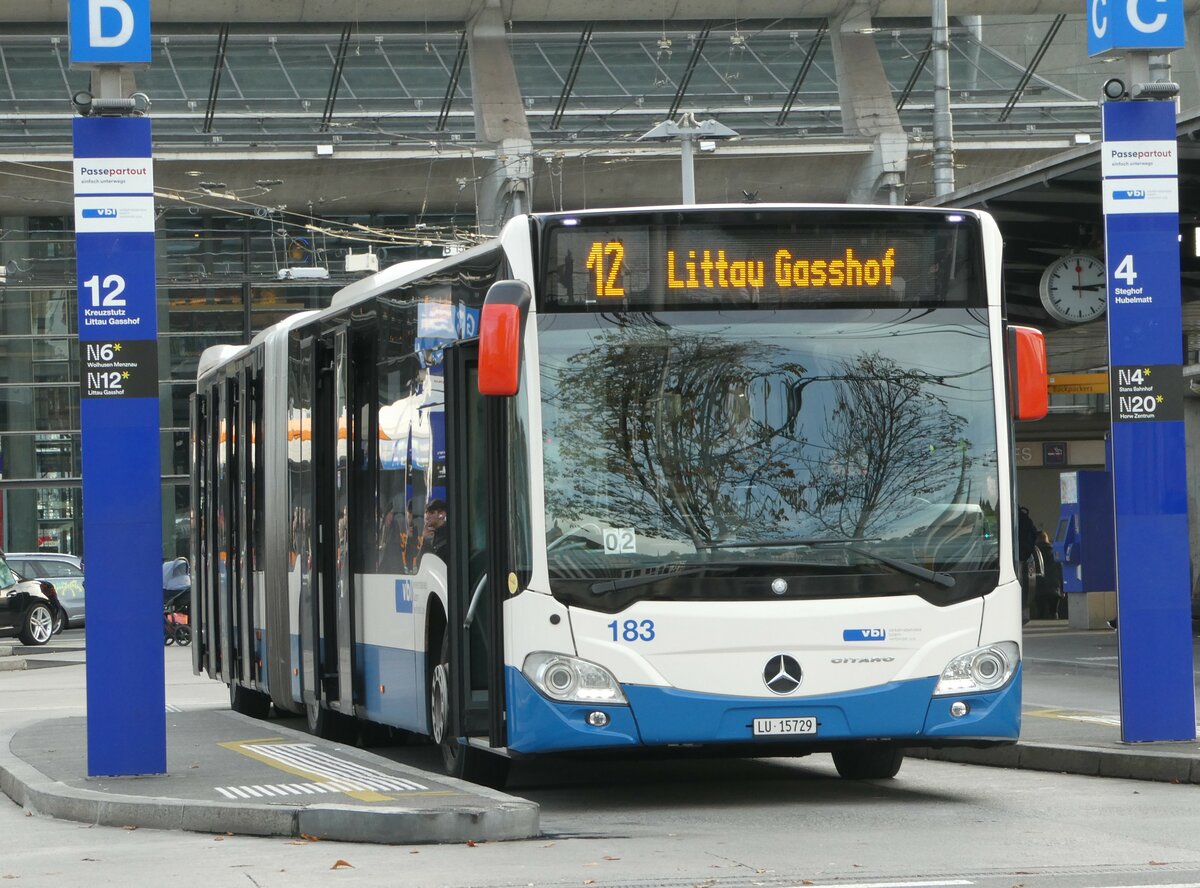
x=228, y=773
x=1071, y=715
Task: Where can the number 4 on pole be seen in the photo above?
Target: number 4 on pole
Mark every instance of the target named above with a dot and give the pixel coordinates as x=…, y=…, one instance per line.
x=1125, y=270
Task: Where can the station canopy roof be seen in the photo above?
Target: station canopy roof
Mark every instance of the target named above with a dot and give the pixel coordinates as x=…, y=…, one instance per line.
x=366, y=85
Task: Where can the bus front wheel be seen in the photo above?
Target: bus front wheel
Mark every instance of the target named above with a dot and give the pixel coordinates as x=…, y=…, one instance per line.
x=868, y=761
x=459, y=759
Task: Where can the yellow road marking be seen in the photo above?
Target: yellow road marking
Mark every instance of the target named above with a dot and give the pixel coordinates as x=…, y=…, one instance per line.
x=246, y=748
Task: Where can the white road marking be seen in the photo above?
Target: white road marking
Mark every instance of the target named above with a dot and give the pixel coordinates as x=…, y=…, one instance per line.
x=1158, y=885
x=332, y=774
x=940, y=884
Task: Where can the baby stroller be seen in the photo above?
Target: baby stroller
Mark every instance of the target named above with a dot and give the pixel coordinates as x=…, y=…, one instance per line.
x=177, y=602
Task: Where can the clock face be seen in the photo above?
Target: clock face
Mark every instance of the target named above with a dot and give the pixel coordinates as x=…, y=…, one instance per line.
x=1073, y=288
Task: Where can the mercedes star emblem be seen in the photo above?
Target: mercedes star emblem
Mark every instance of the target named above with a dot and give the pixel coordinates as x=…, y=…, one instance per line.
x=782, y=674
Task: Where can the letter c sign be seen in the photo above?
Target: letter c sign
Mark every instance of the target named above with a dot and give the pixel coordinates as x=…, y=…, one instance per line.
x=1134, y=24
x=110, y=32
x=1099, y=19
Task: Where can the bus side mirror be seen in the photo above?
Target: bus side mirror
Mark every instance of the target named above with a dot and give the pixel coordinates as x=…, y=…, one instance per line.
x=501, y=330
x=1028, y=382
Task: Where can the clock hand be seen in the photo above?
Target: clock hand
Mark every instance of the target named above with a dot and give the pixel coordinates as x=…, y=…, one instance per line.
x=1088, y=287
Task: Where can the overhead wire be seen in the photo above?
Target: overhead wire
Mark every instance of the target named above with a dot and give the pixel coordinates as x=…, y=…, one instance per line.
x=203, y=198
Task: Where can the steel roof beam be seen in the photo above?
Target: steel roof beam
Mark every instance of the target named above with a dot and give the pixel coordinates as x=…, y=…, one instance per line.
x=805, y=66
x=922, y=61
x=214, y=86
x=585, y=37
x=460, y=59
x=1032, y=66
x=336, y=80
x=697, y=54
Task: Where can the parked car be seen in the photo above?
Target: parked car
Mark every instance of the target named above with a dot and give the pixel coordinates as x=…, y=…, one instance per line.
x=28, y=608
x=64, y=572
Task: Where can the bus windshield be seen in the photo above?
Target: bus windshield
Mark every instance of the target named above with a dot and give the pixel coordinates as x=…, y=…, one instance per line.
x=743, y=454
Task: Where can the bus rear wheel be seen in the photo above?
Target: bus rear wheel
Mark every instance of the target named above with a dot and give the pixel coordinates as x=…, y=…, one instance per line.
x=246, y=701
x=868, y=761
x=458, y=759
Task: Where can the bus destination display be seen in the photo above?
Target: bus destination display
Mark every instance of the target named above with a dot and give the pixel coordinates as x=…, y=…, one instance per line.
x=608, y=267
x=710, y=269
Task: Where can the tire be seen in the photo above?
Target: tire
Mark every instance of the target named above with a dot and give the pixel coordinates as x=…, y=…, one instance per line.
x=330, y=725
x=61, y=621
x=183, y=635
x=246, y=701
x=868, y=761
x=38, y=626
x=459, y=760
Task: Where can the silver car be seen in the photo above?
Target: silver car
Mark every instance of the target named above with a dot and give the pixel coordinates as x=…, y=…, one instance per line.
x=64, y=572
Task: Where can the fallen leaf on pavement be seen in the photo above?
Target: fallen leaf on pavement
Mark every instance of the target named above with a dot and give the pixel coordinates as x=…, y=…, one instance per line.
x=341, y=864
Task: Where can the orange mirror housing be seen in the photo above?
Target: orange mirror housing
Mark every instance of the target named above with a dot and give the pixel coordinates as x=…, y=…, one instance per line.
x=501, y=329
x=1028, y=380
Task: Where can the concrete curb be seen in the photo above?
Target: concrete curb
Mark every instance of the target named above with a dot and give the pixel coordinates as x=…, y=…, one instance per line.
x=506, y=817
x=9, y=661
x=1150, y=764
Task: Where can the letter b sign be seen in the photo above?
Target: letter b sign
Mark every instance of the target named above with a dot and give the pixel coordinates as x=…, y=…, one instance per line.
x=1115, y=25
x=110, y=32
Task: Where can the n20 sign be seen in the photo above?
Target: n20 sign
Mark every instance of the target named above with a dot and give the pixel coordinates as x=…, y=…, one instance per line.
x=1116, y=25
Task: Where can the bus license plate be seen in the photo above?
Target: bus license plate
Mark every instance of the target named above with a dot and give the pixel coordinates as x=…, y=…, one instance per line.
x=785, y=727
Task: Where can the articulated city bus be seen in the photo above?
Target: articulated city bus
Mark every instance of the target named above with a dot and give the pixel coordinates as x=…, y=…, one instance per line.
x=731, y=477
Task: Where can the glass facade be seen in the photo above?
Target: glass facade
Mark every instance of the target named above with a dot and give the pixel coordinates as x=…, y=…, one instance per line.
x=256, y=87
x=411, y=85
x=218, y=283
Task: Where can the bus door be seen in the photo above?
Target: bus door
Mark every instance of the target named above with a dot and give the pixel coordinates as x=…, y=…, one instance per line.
x=201, y=490
x=333, y=614
x=474, y=462
x=243, y=605
x=224, y=612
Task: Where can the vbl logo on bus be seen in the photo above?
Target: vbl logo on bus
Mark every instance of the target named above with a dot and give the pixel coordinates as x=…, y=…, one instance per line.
x=864, y=635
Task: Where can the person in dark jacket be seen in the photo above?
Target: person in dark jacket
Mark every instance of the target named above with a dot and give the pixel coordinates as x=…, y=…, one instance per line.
x=1048, y=601
x=435, y=538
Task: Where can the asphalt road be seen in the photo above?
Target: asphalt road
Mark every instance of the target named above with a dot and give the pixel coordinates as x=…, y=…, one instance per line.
x=676, y=824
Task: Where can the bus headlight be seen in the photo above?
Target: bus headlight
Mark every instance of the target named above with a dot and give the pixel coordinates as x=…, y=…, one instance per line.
x=572, y=680
x=983, y=669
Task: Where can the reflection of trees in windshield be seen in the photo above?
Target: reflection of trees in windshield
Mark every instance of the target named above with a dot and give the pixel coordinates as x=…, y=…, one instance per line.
x=888, y=441
x=660, y=430
x=721, y=433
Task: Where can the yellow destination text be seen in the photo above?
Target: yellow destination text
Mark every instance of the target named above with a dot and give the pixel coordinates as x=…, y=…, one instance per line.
x=712, y=269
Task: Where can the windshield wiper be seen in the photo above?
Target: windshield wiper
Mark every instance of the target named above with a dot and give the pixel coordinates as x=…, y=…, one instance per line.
x=915, y=570
x=603, y=587
x=794, y=541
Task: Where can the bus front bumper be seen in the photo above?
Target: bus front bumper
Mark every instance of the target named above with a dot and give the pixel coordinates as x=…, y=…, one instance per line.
x=905, y=712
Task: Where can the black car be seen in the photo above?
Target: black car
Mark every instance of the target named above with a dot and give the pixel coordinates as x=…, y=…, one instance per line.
x=28, y=608
x=63, y=572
